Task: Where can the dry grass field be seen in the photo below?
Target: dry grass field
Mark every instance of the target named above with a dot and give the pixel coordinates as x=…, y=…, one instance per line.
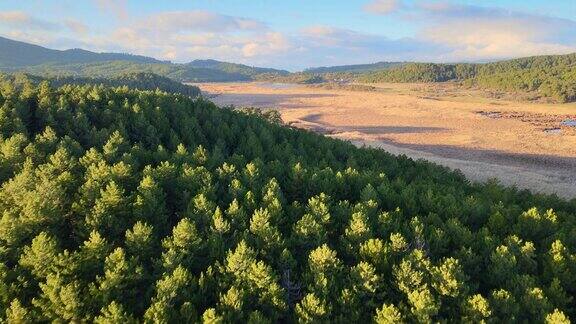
x=485, y=135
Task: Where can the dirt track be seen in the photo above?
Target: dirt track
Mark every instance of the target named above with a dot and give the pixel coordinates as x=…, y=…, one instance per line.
x=529, y=145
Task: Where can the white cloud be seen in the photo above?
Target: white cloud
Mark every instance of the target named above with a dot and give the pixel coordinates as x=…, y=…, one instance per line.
x=195, y=20
x=383, y=7
x=14, y=17
x=117, y=7
x=270, y=44
x=325, y=45
x=345, y=39
x=76, y=26
x=483, y=40
x=321, y=35
x=185, y=35
x=479, y=33
x=21, y=19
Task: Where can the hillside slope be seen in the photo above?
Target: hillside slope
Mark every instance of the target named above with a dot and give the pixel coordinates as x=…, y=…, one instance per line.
x=551, y=76
x=19, y=54
x=233, y=68
x=223, y=72
x=120, y=205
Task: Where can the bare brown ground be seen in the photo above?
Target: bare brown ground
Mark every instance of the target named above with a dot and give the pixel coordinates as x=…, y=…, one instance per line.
x=469, y=130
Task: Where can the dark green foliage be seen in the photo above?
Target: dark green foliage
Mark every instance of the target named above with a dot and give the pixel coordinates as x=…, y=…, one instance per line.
x=233, y=68
x=550, y=76
x=140, y=81
x=121, y=206
x=178, y=72
x=421, y=72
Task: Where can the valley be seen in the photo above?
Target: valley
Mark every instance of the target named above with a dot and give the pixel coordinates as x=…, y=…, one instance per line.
x=374, y=161
x=524, y=144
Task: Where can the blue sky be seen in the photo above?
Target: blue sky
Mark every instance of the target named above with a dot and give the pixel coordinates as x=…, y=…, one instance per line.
x=297, y=34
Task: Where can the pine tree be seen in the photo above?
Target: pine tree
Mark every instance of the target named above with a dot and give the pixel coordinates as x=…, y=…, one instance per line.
x=211, y=317
x=312, y=227
x=110, y=211
x=182, y=247
x=477, y=308
x=424, y=305
x=174, y=291
x=448, y=278
x=114, y=314
x=140, y=241
x=324, y=271
x=388, y=314
x=16, y=313
x=122, y=277
x=357, y=232
x=60, y=300
x=311, y=310
x=268, y=236
x=40, y=256
x=115, y=147
x=149, y=205
x=557, y=317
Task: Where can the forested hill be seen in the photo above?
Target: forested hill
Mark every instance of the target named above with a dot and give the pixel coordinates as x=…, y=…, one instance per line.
x=23, y=57
x=551, y=76
x=120, y=205
x=19, y=54
x=178, y=72
x=140, y=81
x=233, y=68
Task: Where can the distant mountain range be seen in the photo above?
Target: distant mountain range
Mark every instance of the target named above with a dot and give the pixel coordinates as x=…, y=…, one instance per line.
x=19, y=54
x=38, y=60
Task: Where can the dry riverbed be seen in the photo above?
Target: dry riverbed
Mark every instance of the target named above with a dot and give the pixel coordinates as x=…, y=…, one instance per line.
x=529, y=145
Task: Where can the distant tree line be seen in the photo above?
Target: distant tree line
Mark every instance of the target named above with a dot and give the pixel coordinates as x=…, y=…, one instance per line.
x=550, y=76
x=355, y=68
x=140, y=81
x=298, y=78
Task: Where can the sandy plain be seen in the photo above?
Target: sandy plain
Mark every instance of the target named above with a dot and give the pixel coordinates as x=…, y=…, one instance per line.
x=485, y=135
